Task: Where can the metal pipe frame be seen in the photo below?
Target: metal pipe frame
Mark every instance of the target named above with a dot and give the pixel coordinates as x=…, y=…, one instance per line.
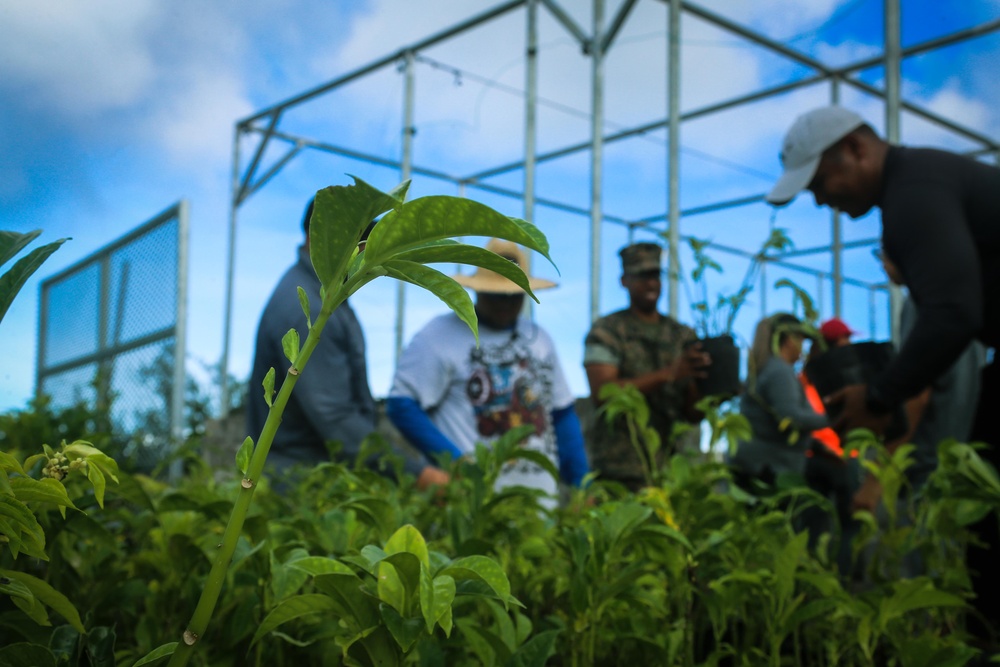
x=673, y=156
x=180, y=337
x=596, y=47
x=596, y=156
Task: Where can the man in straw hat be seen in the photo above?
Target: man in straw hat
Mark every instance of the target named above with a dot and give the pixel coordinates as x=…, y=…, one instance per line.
x=448, y=394
x=940, y=214
x=640, y=346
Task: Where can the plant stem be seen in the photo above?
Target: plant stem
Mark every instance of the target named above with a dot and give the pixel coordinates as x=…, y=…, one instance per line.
x=217, y=575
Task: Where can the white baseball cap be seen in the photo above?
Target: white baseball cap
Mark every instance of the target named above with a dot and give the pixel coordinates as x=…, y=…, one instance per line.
x=807, y=138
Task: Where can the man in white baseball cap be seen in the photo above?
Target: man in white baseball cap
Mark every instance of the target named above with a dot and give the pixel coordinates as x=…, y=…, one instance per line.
x=941, y=226
x=810, y=135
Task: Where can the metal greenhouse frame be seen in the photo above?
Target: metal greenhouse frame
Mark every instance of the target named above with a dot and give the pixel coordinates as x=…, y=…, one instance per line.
x=265, y=126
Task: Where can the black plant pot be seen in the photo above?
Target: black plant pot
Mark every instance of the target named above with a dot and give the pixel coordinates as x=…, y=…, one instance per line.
x=723, y=377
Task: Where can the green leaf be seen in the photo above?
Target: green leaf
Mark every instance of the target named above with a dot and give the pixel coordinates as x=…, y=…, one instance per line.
x=101, y=647
x=358, y=609
x=409, y=539
x=156, y=654
x=483, y=569
x=19, y=524
x=304, y=302
x=8, y=462
x=406, y=631
x=292, y=608
x=12, y=281
x=93, y=456
x=268, y=384
x=243, y=455
x=290, y=344
x=16, y=589
x=436, y=597
x=12, y=243
x=536, y=651
x=48, y=596
x=433, y=218
x=340, y=215
x=24, y=654
x=96, y=478
x=317, y=565
x=443, y=287
x=399, y=580
x=453, y=252
x=785, y=564
x=48, y=490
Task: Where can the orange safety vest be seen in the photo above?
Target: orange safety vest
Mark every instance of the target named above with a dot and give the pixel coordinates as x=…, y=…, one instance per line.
x=827, y=435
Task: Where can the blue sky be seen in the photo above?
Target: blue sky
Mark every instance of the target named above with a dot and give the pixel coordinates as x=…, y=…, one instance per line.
x=114, y=110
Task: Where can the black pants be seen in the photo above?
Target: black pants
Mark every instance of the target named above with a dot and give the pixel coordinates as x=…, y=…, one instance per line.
x=837, y=480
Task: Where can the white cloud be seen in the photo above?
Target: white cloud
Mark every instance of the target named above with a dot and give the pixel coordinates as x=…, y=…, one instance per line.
x=81, y=58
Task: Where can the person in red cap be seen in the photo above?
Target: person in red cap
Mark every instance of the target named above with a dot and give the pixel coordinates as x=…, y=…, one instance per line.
x=836, y=332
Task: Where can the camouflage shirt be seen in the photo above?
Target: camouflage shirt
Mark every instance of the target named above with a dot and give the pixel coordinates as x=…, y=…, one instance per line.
x=636, y=348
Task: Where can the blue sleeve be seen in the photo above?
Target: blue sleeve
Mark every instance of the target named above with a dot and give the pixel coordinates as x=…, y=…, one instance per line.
x=569, y=442
x=407, y=416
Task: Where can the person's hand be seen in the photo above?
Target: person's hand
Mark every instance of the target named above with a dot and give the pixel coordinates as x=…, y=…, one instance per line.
x=691, y=363
x=431, y=476
x=867, y=495
x=855, y=412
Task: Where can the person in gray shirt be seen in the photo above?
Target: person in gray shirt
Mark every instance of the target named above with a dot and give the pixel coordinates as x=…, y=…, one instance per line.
x=775, y=404
x=332, y=401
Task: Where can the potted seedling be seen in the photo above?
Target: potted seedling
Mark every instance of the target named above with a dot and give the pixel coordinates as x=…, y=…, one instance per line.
x=714, y=323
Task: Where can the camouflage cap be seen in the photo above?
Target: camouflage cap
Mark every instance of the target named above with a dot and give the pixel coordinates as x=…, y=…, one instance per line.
x=640, y=257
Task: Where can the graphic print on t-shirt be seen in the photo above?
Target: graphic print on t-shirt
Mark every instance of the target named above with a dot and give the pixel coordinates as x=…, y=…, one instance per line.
x=508, y=388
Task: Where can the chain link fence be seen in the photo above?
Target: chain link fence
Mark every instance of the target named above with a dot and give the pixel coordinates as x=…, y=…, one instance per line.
x=111, y=337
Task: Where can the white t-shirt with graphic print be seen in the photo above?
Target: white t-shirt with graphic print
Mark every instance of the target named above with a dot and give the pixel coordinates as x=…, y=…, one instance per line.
x=476, y=394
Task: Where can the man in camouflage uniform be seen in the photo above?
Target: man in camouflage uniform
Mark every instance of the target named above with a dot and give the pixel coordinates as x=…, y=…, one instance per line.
x=641, y=347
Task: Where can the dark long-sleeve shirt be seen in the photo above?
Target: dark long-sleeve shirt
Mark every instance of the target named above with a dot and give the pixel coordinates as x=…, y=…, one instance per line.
x=332, y=400
x=941, y=227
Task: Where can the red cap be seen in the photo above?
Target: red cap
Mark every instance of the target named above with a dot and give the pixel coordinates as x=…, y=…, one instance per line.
x=834, y=329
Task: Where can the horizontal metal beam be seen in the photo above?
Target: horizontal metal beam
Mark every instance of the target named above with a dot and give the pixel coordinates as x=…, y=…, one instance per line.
x=945, y=40
x=108, y=352
x=927, y=115
x=750, y=35
x=648, y=127
x=862, y=243
x=382, y=62
x=171, y=212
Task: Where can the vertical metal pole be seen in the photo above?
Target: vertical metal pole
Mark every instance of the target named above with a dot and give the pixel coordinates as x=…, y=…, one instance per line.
x=596, y=157
x=820, y=305
x=530, y=123
x=836, y=233
x=43, y=325
x=234, y=205
x=180, y=336
x=407, y=162
x=871, y=313
x=893, y=66
x=104, y=364
x=673, y=157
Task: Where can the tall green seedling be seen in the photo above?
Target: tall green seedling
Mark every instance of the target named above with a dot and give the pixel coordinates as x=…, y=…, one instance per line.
x=409, y=236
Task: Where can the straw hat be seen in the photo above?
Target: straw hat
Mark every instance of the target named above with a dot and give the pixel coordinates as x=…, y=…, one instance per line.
x=491, y=282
